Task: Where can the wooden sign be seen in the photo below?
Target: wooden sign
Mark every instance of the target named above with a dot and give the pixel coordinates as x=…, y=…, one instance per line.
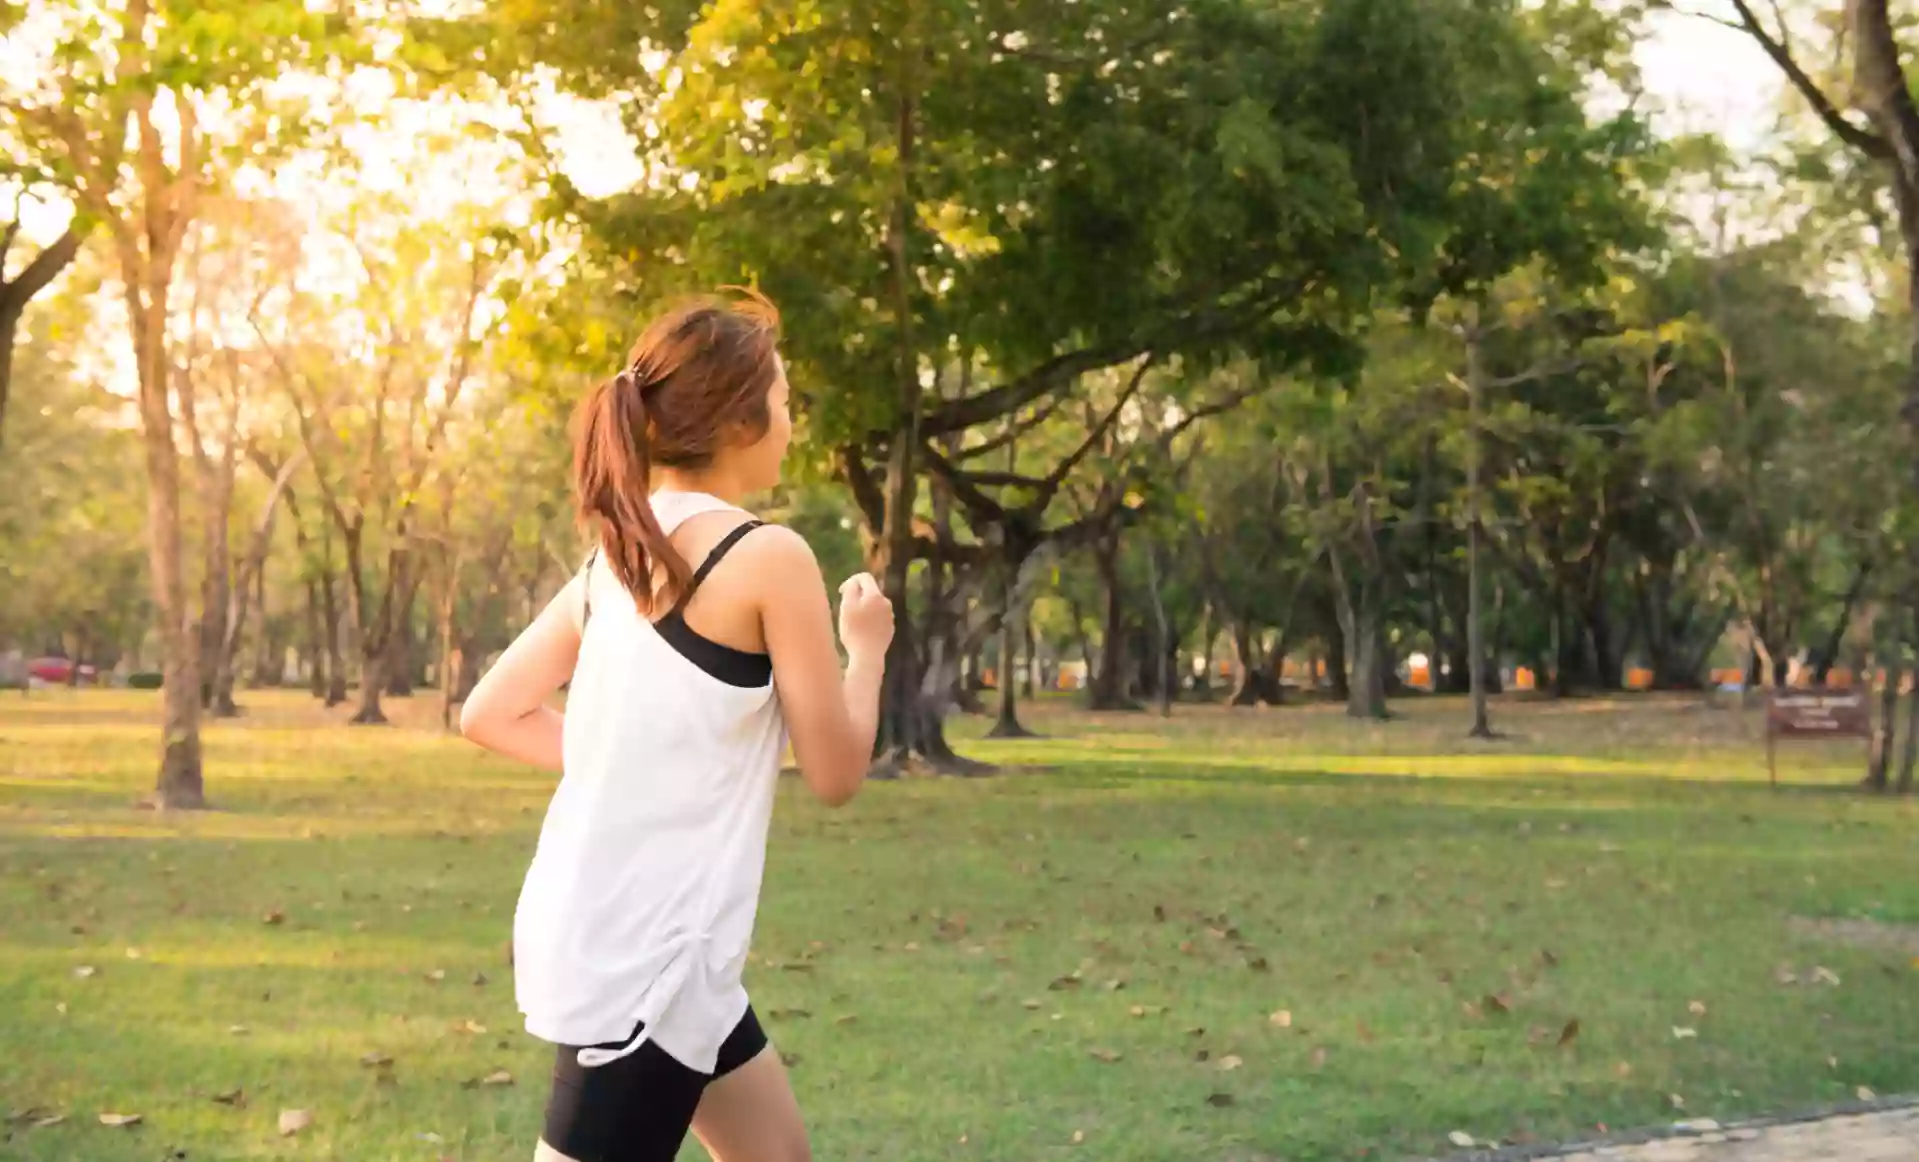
x=1814, y=714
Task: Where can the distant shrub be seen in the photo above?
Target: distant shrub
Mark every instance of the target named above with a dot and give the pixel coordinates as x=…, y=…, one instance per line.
x=144, y=680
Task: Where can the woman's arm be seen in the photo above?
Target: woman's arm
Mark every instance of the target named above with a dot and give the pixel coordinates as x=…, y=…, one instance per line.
x=832, y=718
x=507, y=713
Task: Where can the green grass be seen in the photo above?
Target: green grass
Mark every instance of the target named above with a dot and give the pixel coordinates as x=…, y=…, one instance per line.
x=1210, y=870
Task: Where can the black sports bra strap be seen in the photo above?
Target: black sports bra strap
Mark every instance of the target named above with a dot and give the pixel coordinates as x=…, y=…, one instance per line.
x=586, y=587
x=720, y=550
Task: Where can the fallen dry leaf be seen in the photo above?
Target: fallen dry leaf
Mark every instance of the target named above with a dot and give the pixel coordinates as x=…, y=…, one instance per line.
x=48, y=1122
x=1570, y=1033
x=237, y=1030
x=790, y=1060
x=1229, y=1063
x=1678, y=1103
x=1364, y=1032
x=85, y=971
x=1079, y=1136
x=376, y=1060
x=1622, y=1070
x=1461, y=1139
x=293, y=1121
x=1823, y=975
x=133, y=954
x=789, y=1014
x=437, y=975
x=1471, y=1010
x=497, y=1077
x=1030, y=1006
x=471, y=1026
x=1257, y=964
x=1547, y=958
x=120, y=1120
x=1219, y=1101
x=1497, y=1003
x=1319, y=1057
x=1069, y=981
x=1283, y=1019
x=1109, y=1056
x=847, y=1019
x=1865, y=1093
x=1682, y=1033
x=479, y=980
x=274, y=918
x=1697, y=1008
x=1785, y=975
x=233, y=1097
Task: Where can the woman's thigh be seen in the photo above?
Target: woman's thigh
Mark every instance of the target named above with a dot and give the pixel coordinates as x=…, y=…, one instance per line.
x=751, y=1115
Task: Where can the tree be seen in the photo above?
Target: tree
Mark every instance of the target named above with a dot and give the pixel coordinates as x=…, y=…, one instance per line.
x=19, y=288
x=1099, y=184
x=126, y=116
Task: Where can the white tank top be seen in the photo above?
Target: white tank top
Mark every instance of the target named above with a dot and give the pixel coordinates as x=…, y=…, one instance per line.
x=640, y=902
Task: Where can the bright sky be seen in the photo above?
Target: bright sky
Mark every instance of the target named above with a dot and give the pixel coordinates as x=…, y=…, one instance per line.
x=1710, y=78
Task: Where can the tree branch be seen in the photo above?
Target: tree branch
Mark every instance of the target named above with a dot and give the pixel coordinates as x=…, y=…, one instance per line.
x=1865, y=141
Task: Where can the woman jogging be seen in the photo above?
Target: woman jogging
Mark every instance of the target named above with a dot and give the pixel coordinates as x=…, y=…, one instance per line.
x=696, y=642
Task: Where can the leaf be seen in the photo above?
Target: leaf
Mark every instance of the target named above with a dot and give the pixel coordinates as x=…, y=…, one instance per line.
x=1678, y=1103
x=237, y=1030
x=1159, y=913
x=1497, y=1003
x=1461, y=1139
x=471, y=1026
x=1257, y=964
x=1697, y=1008
x=1864, y=1093
x=119, y=1121
x=1622, y=1070
x=274, y=918
x=1319, y=1057
x=498, y=1077
x=846, y=1019
x=232, y=1097
x=436, y=976
x=1030, y=1006
x=1823, y=975
x=479, y=980
x=1547, y=958
x=1570, y=1033
x=293, y=1121
x=85, y=971
x=1113, y=986
x=1283, y=1019
x=376, y=1060
x=1219, y=1101
x=790, y=1060
x=1109, y=1056
x=1230, y=1062
x=48, y=1122
x=1785, y=975
x=1069, y=981
x=1471, y=1010
x=1364, y=1032
x=1683, y=1033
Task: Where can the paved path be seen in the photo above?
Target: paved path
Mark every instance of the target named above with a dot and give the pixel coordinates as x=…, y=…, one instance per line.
x=1888, y=1136
x=1878, y=1135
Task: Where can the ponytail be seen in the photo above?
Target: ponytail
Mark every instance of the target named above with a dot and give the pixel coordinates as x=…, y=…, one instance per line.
x=611, y=472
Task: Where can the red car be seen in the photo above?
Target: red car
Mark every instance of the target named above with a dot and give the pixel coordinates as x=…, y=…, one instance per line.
x=59, y=671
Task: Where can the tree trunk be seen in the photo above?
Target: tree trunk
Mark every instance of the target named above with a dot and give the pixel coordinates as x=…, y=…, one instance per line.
x=1162, y=635
x=1909, y=757
x=181, y=781
x=1008, y=724
x=1828, y=654
x=449, y=595
x=1482, y=726
x=1885, y=733
x=335, y=656
x=402, y=665
x=1109, y=684
x=1366, y=697
x=374, y=659
x=316, y=642
x=1245, y=667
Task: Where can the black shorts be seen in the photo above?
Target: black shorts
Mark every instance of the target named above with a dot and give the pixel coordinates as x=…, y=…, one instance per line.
x=638, y=1108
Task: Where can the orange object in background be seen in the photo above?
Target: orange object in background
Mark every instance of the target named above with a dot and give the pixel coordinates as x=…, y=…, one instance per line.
x=1840, y=678
x=1420, y=676
x=1523, y=678
x=1729, y=676
x=1638, y=678
x=1068, y=680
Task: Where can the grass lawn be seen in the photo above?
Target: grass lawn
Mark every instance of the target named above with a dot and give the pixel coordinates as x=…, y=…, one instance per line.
x=1084, y=957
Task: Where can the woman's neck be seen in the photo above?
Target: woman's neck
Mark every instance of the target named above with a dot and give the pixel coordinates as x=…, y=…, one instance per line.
x=718, y=485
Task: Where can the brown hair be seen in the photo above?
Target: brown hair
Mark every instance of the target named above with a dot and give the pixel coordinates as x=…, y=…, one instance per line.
x=695, y=383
